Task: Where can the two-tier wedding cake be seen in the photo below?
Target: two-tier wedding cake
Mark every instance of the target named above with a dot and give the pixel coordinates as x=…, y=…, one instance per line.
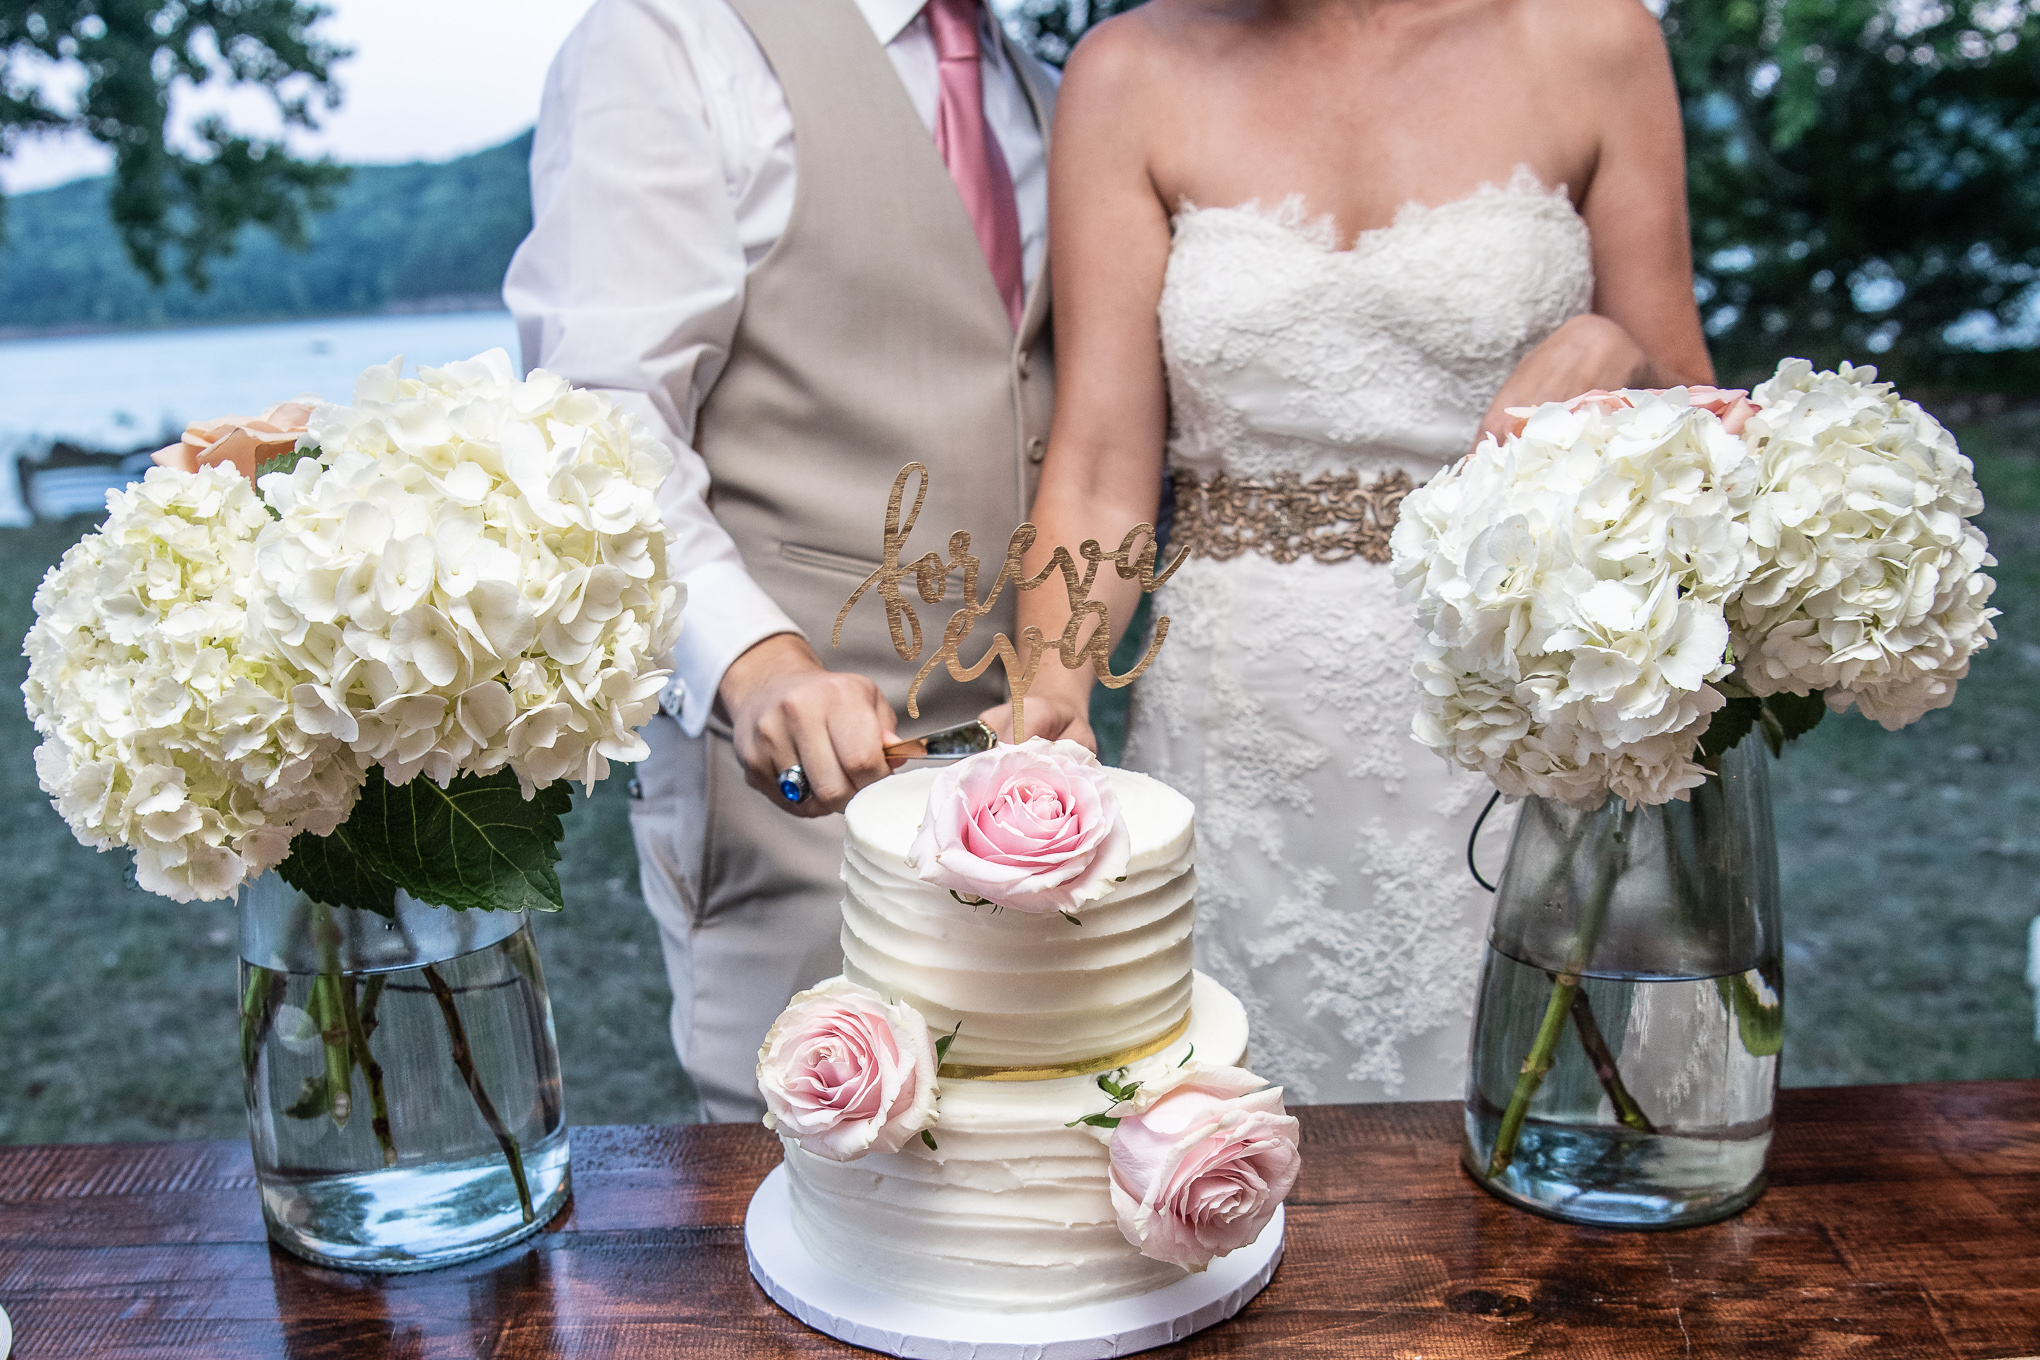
x=1019, y=1097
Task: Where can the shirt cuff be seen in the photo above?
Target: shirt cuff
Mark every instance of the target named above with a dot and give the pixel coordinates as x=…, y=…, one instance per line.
x=727, y=614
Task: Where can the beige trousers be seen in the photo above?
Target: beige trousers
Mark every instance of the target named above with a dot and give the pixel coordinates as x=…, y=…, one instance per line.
x=748, y=901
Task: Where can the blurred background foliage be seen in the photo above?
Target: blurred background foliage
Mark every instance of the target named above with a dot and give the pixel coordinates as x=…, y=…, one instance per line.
x=400, y=236
x=109, y=69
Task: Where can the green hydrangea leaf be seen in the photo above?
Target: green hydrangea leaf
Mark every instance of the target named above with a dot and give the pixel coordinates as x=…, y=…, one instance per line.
x=327, y=869
x=285, y=462
x=1729, y=725
x=476, y=845
x=1788, y=717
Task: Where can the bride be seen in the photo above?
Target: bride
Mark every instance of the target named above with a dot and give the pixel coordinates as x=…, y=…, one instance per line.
x=1367, y=228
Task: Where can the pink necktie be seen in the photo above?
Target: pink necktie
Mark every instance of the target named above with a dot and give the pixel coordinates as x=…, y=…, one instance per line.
x=968, y=148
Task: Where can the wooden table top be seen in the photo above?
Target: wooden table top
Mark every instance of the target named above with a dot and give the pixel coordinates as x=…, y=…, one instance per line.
x=1901, y=1221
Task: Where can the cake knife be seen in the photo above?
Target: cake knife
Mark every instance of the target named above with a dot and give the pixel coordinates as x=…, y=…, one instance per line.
x=951, y=743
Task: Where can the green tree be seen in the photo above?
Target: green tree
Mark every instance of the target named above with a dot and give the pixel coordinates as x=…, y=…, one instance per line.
x=124, y=58
x=1865, y=178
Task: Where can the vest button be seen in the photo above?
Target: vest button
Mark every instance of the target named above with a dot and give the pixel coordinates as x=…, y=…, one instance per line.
x=1037, y=449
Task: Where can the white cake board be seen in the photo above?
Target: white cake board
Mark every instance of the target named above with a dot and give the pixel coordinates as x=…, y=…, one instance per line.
x=865, y=1317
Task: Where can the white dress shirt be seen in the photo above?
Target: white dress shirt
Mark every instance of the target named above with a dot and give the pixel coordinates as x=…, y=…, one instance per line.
x=661, y=173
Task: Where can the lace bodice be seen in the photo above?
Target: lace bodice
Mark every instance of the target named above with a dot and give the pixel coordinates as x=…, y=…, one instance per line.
x=1285, y=352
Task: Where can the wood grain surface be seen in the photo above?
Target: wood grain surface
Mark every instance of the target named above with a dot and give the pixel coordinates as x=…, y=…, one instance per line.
x=1901, y=1221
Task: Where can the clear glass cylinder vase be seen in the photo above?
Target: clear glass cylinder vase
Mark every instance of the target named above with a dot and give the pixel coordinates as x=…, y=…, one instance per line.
x=402, y=1080
x=1624, y=1058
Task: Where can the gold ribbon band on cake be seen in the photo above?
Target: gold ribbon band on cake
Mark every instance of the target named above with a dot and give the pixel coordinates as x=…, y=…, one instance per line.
x=1083, y=1068
x=1331, y=518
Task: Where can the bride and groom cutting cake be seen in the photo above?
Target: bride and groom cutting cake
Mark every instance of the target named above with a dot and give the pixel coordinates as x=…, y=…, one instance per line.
x=1304, y=253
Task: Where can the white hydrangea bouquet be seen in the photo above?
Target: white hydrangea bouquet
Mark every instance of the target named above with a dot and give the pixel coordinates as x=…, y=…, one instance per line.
x=460, y=576
x=1624, y=589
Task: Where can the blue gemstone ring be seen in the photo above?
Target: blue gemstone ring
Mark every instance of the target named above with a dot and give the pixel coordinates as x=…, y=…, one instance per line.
x=793, y=785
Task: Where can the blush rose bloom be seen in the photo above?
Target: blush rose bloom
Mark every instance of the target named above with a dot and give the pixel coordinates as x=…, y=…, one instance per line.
x=244, y=442
x=1033, y=827
x=1201, y=1164
x=1732, y=404
x=844, y=1072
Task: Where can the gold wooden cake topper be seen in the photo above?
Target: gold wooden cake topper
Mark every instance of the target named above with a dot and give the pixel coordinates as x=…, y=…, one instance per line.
x=932, y=573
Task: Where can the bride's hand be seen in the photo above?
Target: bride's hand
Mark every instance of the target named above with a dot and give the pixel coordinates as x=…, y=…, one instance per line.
x=1048, y=715
x=1585, y=353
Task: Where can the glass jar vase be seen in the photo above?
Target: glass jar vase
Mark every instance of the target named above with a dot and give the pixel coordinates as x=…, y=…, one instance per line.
x=1624, y=1058
x=402, y=1080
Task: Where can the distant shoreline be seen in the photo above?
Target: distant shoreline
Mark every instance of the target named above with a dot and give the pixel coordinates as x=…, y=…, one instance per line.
x=447, y=304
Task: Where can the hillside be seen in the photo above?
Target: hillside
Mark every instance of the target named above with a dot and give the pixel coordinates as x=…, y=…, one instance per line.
x=400, y=235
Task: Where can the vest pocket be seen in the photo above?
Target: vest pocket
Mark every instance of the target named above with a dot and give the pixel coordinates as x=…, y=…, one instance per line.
x=821, y=559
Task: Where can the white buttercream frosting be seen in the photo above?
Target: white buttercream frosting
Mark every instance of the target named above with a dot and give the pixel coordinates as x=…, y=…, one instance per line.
x=1012, y=1210
x=1023, y=990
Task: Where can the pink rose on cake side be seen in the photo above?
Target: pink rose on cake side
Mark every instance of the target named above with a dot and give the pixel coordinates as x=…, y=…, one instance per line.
x=1201, y=1163
x=844, y=1072
x=1033, y=827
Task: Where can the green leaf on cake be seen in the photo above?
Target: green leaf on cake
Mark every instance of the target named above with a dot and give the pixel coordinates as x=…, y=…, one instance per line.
x=942, y=1044
x=1096, y=1121
x=476, y=845
x=929, y=1139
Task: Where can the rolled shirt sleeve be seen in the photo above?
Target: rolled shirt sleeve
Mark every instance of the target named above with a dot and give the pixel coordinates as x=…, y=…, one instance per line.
x=632, y=282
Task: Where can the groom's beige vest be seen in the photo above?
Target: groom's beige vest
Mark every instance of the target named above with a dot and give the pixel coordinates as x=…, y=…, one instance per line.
x=873, y=336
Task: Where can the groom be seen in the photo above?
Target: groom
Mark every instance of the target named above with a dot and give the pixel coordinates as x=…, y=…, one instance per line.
x=803, y=240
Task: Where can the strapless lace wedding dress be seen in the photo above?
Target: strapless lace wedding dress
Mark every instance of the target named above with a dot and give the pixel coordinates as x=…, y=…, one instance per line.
x=1335, y=900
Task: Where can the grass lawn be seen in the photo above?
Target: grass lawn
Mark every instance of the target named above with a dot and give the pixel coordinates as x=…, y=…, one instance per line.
x=1908, y=862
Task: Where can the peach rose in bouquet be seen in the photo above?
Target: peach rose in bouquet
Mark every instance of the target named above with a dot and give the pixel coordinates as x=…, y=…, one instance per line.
x=243, y=442
x=1034, y=827
x=1200, y=1163
x=844, y=1072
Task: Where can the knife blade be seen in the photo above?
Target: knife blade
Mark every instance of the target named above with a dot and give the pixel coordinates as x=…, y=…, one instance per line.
x=951, y=743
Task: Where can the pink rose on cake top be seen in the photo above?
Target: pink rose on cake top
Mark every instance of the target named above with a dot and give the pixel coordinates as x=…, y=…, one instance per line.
x=1200, y=1163
x=844, y=1072
x=1033, y=828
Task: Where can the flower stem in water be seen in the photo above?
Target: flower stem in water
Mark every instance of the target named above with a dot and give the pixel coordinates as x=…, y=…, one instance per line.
x=371, y=1070
x=1598, y=1053
x=462, y=1059
x=1565, y=986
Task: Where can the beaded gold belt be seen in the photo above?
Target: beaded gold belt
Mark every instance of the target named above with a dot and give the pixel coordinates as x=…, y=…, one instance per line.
x=1332, y=517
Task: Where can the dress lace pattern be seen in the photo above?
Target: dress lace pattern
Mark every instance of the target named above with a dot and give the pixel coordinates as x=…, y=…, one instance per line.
x=1334, y=899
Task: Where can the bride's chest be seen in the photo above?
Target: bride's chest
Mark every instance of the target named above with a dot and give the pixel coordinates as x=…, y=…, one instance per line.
x=1464, y=287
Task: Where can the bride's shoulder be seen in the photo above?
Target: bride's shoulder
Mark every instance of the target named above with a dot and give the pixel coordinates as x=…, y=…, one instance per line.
x=1156, y=42
x=1586, y=38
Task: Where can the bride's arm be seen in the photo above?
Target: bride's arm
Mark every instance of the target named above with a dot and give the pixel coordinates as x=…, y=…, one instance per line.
x=1644, y=329
x=1108, y=246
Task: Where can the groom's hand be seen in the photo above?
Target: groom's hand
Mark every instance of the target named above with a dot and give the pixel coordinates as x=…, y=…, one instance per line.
x=786, y=708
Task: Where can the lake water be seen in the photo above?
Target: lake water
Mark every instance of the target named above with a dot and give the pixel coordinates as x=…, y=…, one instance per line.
x=110, y=391
x=126, y=389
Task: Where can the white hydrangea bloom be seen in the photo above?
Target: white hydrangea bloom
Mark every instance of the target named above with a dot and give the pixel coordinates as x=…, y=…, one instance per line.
x=1571, y=583
x=473, y=574
x=1870, y=586
x=162, y=729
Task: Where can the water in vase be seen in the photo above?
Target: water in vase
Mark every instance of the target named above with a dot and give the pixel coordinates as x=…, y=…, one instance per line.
x=393, y=1162
x=1656, y=1111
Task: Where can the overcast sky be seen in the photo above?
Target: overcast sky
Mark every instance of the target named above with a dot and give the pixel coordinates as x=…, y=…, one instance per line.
x=428, y=79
